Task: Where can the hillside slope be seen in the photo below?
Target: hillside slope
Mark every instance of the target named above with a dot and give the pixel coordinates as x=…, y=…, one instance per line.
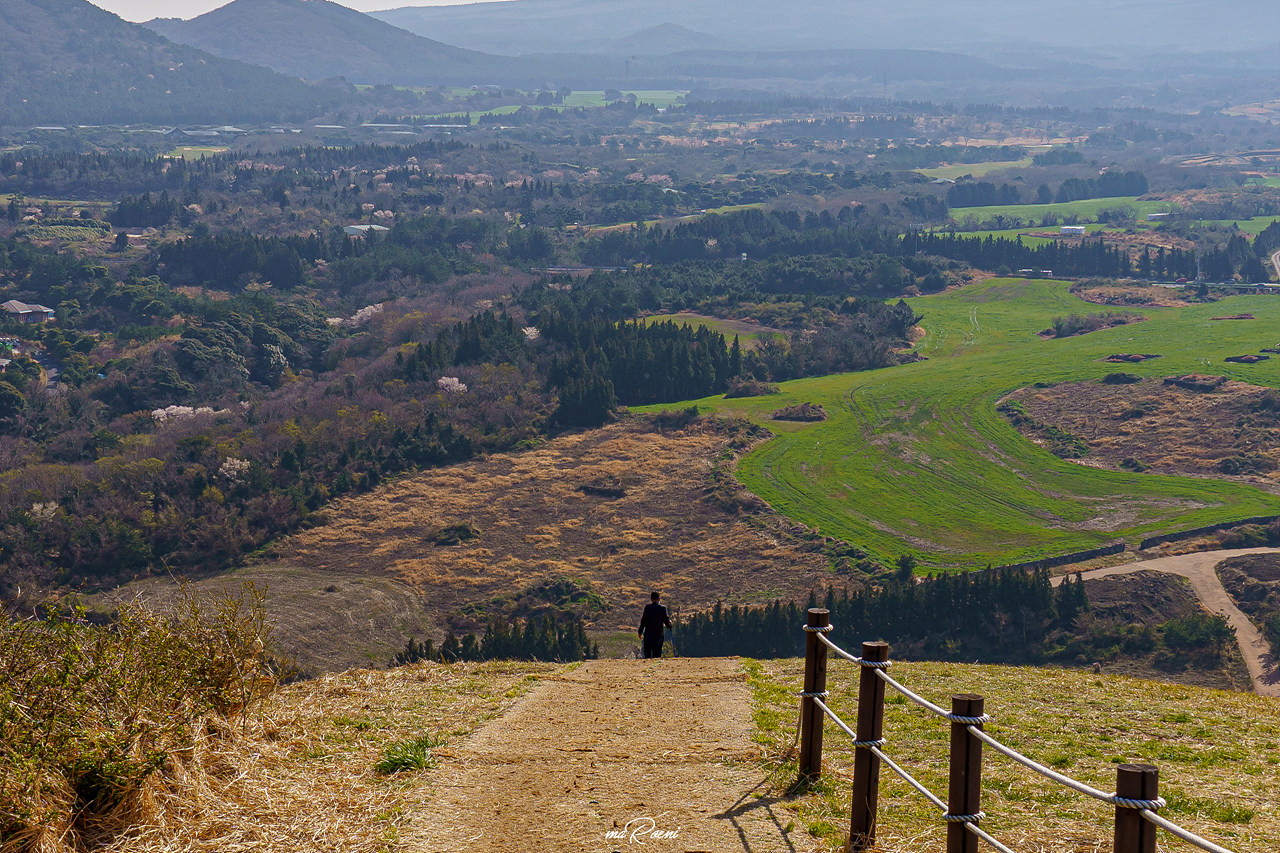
x=316, y=39
x=69, y=62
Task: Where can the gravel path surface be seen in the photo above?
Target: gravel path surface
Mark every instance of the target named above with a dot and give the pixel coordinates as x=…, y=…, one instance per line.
x=1198, y=569
x=614, y=755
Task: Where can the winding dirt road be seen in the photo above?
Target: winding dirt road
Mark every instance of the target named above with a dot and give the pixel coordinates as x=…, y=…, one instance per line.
x=614, y=755
x=1198, y=569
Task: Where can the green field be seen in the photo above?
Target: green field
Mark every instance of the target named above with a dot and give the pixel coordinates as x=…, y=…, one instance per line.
x=917, y=458
x=1253, y=227
x=749, y=334
x=661, y=98
x=977, y=170
x=195, y=152
x=1085, y=209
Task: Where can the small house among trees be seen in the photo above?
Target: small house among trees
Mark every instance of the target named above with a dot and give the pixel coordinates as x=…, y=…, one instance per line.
x=24, y=313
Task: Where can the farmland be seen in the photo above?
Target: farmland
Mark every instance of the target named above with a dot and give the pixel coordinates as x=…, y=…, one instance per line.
x=952, y=171
x=919, y=454
x=1085, y=209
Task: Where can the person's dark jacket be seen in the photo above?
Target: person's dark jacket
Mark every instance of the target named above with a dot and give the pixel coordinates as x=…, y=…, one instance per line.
x=655, y=618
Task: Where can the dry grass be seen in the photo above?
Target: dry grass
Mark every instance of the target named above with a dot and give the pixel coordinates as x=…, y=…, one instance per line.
x=300, y=774
x=537, y=524
x=326, y=621
x=1217, y=753
x=1133, y=294
x=1168, y=429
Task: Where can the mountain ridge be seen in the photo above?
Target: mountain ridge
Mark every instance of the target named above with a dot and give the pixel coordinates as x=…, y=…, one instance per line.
x=317, y=39
x=69, y=62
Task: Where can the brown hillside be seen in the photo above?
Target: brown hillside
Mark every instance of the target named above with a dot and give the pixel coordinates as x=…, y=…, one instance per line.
x=1231, y=431
x=616, y=512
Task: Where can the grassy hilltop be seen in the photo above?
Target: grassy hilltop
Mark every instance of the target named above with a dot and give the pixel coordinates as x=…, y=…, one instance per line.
x=919, y=454
x=1217, y=754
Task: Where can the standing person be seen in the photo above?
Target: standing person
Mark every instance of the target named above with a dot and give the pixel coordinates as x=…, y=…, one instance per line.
x=655, y=618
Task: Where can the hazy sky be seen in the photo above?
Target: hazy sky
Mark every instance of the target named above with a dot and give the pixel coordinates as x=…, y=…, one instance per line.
x=145, y=10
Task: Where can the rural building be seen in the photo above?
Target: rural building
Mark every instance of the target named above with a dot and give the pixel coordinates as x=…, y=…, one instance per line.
x=364, y=230
x=24, y=313
x=1156, y=217
x=1073, y=230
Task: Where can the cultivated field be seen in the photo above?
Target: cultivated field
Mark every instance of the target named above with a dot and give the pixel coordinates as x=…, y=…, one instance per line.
x=919, y=454
x=951, y=171
x=1086, y=209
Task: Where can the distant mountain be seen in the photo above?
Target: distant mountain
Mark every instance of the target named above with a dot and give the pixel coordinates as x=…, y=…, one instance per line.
x=69, y=62
x=316, y=39
x=660, y=40
x=550, y=26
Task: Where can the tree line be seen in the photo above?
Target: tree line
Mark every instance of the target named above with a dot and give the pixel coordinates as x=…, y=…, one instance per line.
x=997, y=614
x=547, y=637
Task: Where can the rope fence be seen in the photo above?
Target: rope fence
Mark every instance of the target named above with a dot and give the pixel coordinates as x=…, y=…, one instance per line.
x=1136, y=799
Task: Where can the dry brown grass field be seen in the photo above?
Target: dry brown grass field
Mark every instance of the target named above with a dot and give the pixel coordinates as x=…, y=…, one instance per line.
x=300, y=771
x=1166, y=428
x=617, y=512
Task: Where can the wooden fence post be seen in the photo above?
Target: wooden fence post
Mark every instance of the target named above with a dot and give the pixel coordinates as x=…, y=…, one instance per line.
x=1135, y=782
x=815, y=681
x=866, y=766
x=965, y=789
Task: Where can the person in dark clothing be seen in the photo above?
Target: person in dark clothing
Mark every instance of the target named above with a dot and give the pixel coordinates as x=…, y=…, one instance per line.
x=653, y=621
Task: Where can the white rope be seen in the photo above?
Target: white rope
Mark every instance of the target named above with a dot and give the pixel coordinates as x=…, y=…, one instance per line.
x=963, y=818
x=1039, y=768
x=968, y=721
x=1144, y=805
x=978, y=831
x=842, y=724
x=914, y=697
x=870, y=664
x=814, y=694
x=1185, y=835
x=818, y=629
x=835, y=718
x=909, y=779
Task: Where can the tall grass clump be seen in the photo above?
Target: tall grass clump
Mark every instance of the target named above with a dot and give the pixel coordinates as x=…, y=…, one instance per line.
x=91, y=715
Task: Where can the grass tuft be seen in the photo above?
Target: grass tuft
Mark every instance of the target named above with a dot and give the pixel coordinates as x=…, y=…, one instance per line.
x=414, y=754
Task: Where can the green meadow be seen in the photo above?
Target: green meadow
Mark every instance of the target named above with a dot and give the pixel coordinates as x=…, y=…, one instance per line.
x=749, y=334
x=916, y=457
x=660, y=98
x=196, y=152
x=1085, y=209
x=977, y=170
x=1253, y=227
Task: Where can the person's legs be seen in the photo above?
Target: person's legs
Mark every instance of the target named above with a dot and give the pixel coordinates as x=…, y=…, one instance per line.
x=653, y=648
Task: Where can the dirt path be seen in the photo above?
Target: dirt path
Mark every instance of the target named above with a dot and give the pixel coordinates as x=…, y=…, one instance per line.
x=1198, y=569
x=613, y=755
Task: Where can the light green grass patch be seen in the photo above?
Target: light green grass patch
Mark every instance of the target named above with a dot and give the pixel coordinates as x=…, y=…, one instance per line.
x=917, y=456
x=411, y=754
x=1253, y=227
x=1214, y=771
x=952, y=171
x=730, y=208
x=749, y=334
x=1085, y=209
x=195, y=152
